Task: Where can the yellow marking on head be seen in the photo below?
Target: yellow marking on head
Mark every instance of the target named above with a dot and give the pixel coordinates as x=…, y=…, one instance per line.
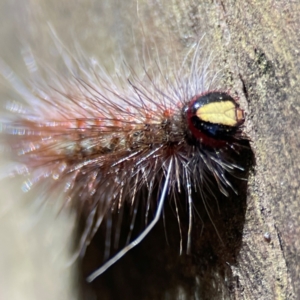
x=222, y=112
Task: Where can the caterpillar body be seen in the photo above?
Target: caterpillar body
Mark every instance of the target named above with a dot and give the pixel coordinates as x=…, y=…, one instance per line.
x=127, y=143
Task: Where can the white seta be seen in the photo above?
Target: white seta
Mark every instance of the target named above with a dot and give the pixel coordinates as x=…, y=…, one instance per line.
x=135, y=242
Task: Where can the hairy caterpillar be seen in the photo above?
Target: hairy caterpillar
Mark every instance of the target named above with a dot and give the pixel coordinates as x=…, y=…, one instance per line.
x=129, y=142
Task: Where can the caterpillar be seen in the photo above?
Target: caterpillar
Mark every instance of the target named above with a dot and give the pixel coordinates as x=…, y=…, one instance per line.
x=119, y=147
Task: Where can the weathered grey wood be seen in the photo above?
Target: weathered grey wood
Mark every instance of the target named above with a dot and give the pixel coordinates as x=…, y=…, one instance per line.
x=262, y=56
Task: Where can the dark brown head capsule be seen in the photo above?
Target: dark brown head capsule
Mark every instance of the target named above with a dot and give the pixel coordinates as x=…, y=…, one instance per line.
x=214, y=118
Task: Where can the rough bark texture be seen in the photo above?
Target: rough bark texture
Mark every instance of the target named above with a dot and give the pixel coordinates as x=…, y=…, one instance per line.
x=256, y=44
